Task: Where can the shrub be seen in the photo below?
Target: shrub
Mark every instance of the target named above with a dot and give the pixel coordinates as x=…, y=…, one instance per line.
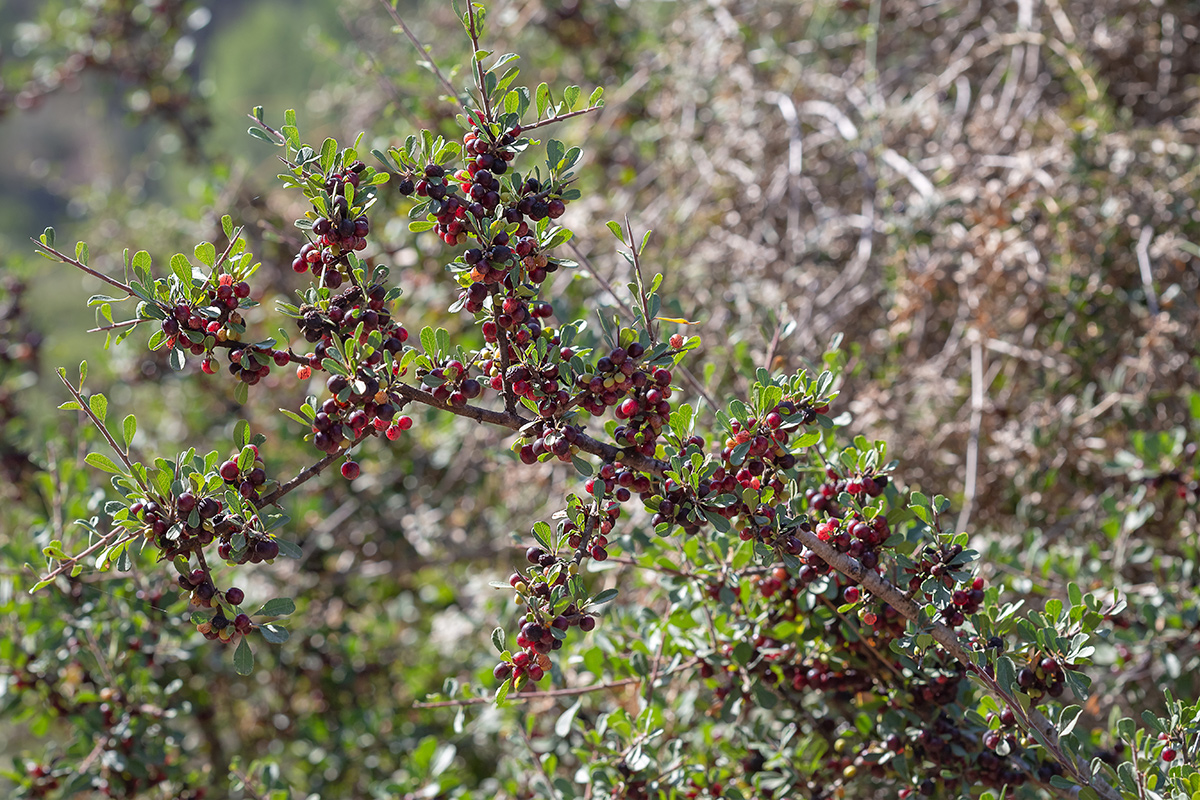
x=775, y=613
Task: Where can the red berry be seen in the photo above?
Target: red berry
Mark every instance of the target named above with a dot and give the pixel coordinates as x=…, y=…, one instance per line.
x=234, y=596
x=1168, y=754
x=851, y=594
x=229, y=470
x=351, y=470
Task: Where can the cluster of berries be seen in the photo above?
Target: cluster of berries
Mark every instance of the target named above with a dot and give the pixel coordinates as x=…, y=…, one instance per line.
x=558, y=442
x=248, y=480
x=620, y=483
x=453, y=386
x=645, y=412
x=1043, y=676
x=197, y=518
x=939, y=561
x=197, y=327
x=342, y=316
x=362, y=403
x=597, y=545
x=537, y=637
x=337, y=234
x=856, y=537
x=251, y=364
x=615, y=376
x=993, y=737
x=203, y=594
x=540, y=384
x=256, y=549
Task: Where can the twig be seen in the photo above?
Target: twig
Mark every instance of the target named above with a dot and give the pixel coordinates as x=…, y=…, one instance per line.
x=87, y=409
x=773, y=345
x=116, y=325
x=449, y=87
x=537, y=759
x=559, y=118
x=652, y=678
x=641, y=285
x=969, y=490
x=66, y=259
x=527, y=696
x=309, y=473
x=628, y=313
x=71, y=561
x=245, y=779
x=1143, y=257
x=516, y=422
x=473, y=32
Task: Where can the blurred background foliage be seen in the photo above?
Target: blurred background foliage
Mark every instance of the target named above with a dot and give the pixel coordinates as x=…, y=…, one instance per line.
x=995, y=203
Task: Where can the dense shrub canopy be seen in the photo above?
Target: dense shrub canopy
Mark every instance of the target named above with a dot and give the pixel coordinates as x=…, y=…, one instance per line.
x=872, y=471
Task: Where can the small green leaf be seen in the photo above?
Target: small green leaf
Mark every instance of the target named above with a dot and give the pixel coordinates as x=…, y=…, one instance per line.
x=206, y=253
x=182, y=268
x=98, y=403
x=289, y=549
x=279, y=607
x=617, y=231
x=562, y=726
x=274, y=633
x=328, y=151
x=542, y=534
x=498, y=640
x=129, y=428
x=806, y=439
x=604, y=597
x=37, y=587
x=101, y=461
x=227, y=226
x=503, y=691
x=597, y=97
x=428, y=341
x=243, y=659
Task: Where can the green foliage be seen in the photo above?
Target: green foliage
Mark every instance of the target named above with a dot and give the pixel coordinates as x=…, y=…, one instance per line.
x=744, y=646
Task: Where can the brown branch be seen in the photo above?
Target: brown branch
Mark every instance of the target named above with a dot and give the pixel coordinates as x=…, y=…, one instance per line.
x=71, y=561
x=559, y=118
x=114, y=326
x=311, y=472
x=87, y=409
x=66, y=259
x=552, y=693
x=449, y=87
x=515, y=422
